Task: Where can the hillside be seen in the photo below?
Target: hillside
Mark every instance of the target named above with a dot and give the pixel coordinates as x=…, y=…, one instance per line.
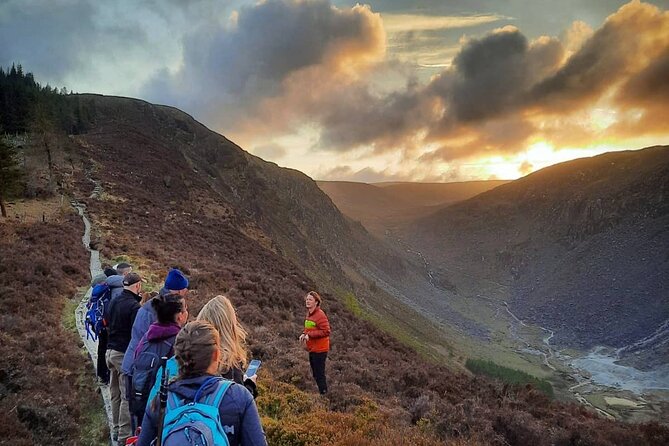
x=436, y=194
x=387, y=206
x=578, y=247
x=162, y=190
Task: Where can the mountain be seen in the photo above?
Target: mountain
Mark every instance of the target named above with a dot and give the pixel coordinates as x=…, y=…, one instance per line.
x=161, y=190
x=579, y=247
x=387, y=206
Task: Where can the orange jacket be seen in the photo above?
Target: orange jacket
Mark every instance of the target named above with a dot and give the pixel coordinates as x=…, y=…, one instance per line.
x=316, y=325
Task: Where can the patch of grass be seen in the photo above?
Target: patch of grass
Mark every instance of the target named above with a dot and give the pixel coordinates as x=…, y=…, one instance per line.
x=507, y=375
x=389, y=325
x=351, y=302
x=93, y=426
x=68, y=318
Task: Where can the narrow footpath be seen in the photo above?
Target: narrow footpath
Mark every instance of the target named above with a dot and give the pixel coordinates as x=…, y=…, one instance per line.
x=80, y=312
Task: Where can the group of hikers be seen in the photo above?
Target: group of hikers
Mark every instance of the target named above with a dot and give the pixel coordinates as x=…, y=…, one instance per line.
x=179, y=382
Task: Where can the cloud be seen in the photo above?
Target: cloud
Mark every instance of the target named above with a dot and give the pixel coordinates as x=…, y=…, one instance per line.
x=628, y=39
x=91, y=46
x=271, y=51
x=394, y=23
x=503, y=91
x=364, y=175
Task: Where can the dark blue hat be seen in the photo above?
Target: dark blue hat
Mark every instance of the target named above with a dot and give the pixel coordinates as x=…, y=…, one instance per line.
x=176, y=280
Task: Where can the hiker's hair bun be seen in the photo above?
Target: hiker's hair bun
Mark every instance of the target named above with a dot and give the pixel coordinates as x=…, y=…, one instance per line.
x=194, y=348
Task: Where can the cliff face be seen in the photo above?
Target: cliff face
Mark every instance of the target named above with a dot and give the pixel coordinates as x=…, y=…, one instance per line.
x=579, y=247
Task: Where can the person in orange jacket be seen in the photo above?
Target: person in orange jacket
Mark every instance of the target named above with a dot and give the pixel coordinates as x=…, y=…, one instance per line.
x=316, y=338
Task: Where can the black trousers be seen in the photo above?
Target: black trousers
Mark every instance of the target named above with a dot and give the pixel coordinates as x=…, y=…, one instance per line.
x=317, y=362
x=102, y=369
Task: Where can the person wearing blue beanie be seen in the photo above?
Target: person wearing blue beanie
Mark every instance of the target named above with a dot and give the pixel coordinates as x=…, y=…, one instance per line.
x=176, y=282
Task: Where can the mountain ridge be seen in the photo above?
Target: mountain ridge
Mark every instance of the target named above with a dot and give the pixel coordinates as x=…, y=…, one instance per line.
x=568, y=223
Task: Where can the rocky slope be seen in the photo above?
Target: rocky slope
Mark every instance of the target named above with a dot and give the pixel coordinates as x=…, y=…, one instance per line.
x=580, y=247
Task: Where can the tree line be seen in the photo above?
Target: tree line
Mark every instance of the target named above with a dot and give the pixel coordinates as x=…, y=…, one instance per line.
x=26, y=107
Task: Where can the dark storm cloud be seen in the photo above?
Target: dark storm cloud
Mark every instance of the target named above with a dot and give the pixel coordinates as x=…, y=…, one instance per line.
x=228, y=70
x=32, y=33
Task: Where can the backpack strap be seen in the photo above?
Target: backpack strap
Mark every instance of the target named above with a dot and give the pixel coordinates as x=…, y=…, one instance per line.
x=203, y=385
x=173, y=401
x=223, y=387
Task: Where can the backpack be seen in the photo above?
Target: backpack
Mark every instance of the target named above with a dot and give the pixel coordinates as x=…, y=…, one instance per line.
x=196, y=423
x=95, y=314
x=144, y=370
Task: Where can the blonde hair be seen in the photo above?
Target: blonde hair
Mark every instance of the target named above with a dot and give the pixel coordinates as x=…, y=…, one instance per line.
x=194, y=348
x=221, y=314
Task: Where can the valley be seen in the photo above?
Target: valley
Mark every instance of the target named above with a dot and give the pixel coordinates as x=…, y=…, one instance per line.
x=480, y=268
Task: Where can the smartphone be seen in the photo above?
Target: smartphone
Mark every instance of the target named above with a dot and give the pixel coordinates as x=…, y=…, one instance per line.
x=253, y=367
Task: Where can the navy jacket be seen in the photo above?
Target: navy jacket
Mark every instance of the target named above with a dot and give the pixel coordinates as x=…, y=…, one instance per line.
x=121, y=316
x=239, y=415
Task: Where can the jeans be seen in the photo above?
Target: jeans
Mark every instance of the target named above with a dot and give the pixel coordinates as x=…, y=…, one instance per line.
x=317, y=362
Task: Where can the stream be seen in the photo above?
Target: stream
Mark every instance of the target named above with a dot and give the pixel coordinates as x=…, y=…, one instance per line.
x=80, y=312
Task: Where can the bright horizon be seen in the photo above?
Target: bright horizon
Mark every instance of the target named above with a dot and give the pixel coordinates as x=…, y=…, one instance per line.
x=393, y=90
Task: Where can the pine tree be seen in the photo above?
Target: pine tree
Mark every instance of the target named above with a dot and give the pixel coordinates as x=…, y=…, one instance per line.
x=10, y=174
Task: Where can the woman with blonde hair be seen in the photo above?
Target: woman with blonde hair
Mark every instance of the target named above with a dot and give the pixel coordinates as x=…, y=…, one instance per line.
x=220, y=313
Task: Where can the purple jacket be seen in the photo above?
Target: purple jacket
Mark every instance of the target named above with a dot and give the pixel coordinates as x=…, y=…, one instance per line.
x=157, y=332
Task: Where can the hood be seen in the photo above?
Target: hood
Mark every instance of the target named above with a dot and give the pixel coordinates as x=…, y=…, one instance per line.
x=115, y=281
x=158, y=331
x=186, y=388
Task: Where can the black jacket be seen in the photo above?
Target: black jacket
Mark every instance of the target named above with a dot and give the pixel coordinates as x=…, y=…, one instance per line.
x=121, y=316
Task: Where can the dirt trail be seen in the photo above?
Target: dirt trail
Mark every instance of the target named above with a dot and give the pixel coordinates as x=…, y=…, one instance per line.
x=80, y=312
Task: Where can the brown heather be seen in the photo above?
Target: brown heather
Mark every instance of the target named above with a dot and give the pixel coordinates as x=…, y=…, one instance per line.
x=46, y=383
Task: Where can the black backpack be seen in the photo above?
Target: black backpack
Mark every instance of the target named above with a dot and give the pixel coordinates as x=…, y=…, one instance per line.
x=144, y=370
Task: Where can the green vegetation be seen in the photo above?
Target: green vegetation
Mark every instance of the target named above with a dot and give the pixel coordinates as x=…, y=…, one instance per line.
x=351, y=303
x=397, y=328
x=68, y=319
x=510, y=376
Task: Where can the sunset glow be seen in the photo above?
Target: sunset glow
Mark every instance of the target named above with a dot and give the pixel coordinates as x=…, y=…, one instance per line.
x=414, y=91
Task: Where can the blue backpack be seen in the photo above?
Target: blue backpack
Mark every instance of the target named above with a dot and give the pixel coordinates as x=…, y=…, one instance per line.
x=196, y=423
x=144, y=370
x=95, y=314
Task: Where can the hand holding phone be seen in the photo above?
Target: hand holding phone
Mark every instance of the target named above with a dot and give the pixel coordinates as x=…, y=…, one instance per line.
x=252, y=370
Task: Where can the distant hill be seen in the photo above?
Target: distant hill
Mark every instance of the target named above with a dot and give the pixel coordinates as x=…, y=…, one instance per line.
x=383, y=206
x=436, y=194
x=579, y=247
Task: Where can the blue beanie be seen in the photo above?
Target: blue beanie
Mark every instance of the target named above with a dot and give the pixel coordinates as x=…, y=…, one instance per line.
x=176, y=280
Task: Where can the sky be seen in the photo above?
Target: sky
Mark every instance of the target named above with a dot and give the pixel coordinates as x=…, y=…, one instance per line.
x=389, y=90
